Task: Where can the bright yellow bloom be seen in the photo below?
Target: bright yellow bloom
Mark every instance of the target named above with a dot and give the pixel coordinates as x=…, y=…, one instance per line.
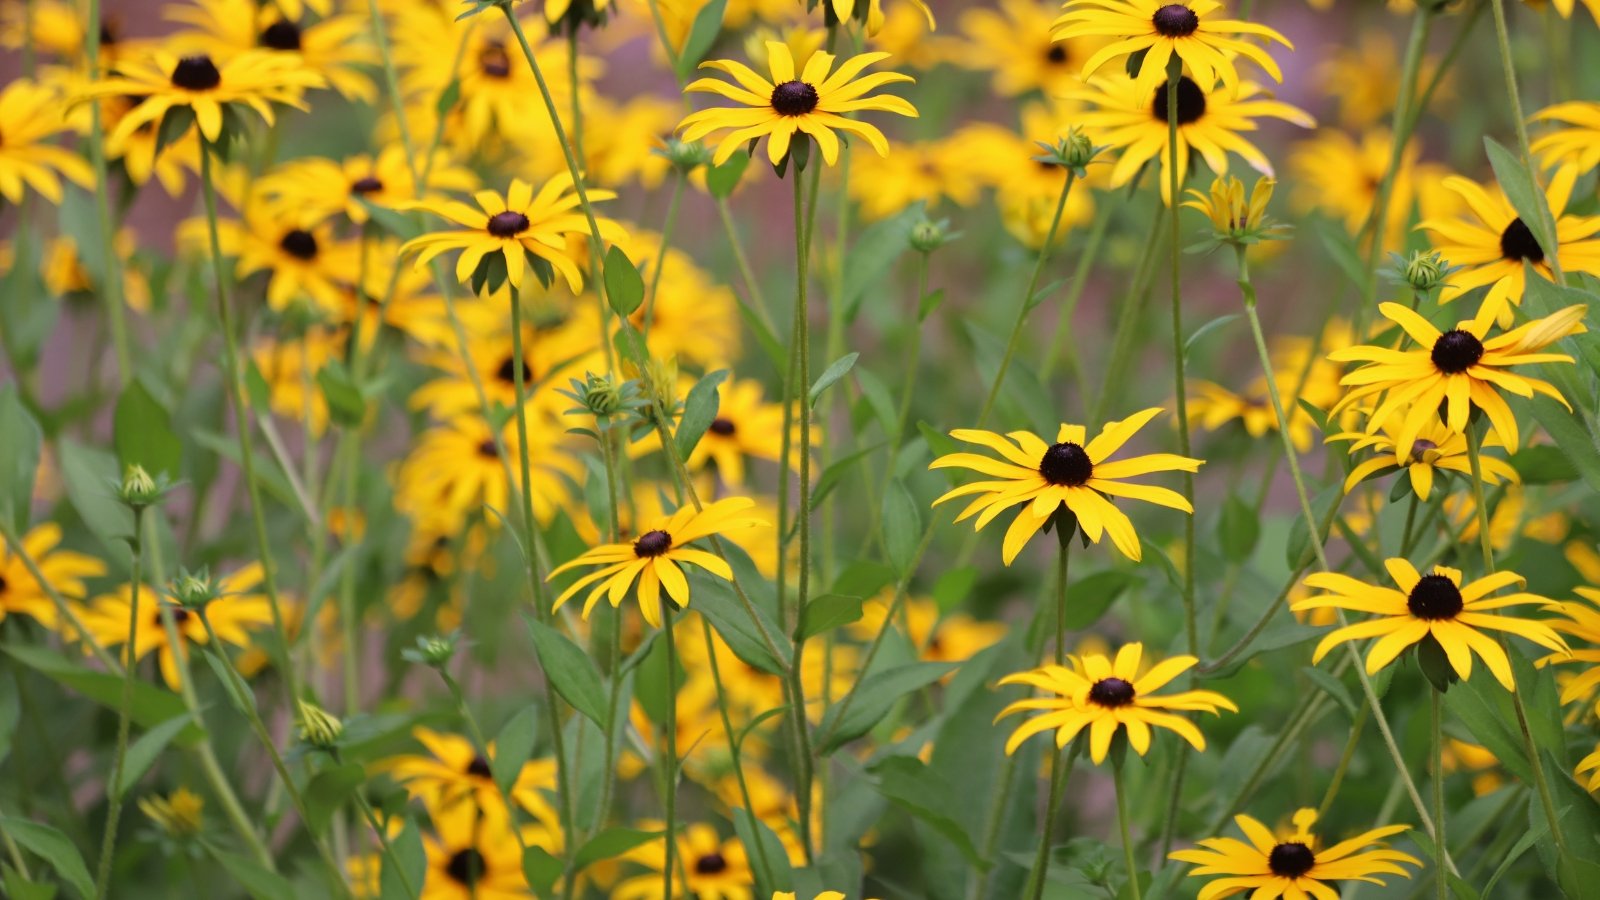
x=178, y=814
x=454, y=471
x=314, y=189
x=1434, y=607
x=653, y=559
x=1013, y=42
x=1292, y=866
x=1232, y=215
x=1339, y=174
x=30, y=115
x=472, y=855
x=1479, y=762
x=825, y=895
x=452, y=774
x=256, y=79
x=1591, y=765
x=1072, y=474
x=871, y=12
x=336, y=48
x=745, y=428
x=1580, y=621
x=1456, y=369
x=1105, y=695
x=63, y=570
x=1192, y=30
x=1436, y=447
x=1578, y=144
x=810, y=104
x=717, y=869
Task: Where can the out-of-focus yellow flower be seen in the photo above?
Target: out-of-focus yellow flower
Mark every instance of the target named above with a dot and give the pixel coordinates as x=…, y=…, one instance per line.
x=1479, y=762
x=178, y=814
x=1235, y=217
x=65, y=274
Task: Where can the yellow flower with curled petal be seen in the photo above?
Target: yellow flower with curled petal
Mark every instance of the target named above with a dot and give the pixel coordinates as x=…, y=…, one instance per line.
x=1292, y=865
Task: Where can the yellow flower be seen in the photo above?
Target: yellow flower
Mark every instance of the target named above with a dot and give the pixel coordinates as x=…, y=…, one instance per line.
x=654, y=559
x=1231, y=214
x=1192, y=30
x=693, y=315
x=1591, y=765
x=290, y=368
x=1578, y=144
x=178, y=814
x=745, y=428
x=1565, y=7
x=1495, y=247
x=510, y=227
x=556, y=341
x=1581, y=621
x=716, y=869
x=1014, y=43
x=304, y=263
x=1292, y=866
x=1479, y=762
x=1360, y=78
x=454, y=470
x=472, y=855
x=30, y=115
x=1339, y=175
x=63, y=570
x=920, y=172
x=871, y=12
x=1106, y=695
x=336, y=47
x=1434, y=607
x=1073, y=473
x=452, y=775
x=938, y=637
x=65, y=274
x=810, y=104
x=1436, y=447
x=256, y=79
x=825, y=895
x=1458, y=369
x=314, y=189
x=555, y=9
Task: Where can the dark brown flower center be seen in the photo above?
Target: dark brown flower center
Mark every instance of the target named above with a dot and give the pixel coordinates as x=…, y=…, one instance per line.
x=196, y=73
x=488, y=450
x=281, y=35
x=1066, y=464
x=1435, y=597
x=794, y=98
x=479, y=767
x=652, y=543
x=1056, y=54
x=1191, y=102
x=1456, y=351
x=1420, y=448
x=1111, y=692
x=1291, y=859
x=299, y=244
x=1518, y=243
x=495, y=62
x=724, y=427
x=3, y=584
x=368, y=185
x=710, y=864
x=507, y=372
x=179, y=616
x=466, y=867
x=1175, y=21
x=508, y=224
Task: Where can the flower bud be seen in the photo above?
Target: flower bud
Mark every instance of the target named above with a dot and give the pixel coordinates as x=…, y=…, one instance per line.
x=318, y=727
x=434, y=651
x=1077, y=150
x=928, y=236
x=600, y=396
x=138, y=489
x=194, y=589
x=1425, y=271
x=686, y=156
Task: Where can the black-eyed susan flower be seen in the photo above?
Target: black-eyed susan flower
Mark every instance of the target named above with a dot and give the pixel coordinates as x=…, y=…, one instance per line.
x=1580, y=621
x=1474, y=760
x=302, y=263
x=454, y=471
x=1564, y=7
x=198, y=85
x=336, y=47
x=1192, y=30
x=30, y=115
x=580, y=11
x=746, y=428
x=1576, y=140
x=810, y=103
x=1435, y=447
x=471, y=856
x=64, y=571
x=1235, y=217
x=558, y=341
x=1132, y=118
x=870, y=12
x=66, y=275
x=1012, y=41
x=290, y=368
x=1458, y=369
x=653, y=558
x=1589, y=764
x=178, y=815
x=314, y=188
x=717, y=869
x=1106, y=695
x=1495, y=247
x=1293, y=864
x=1434, y=606
x=453, y=774
x=1340, y=174
x=825, y=895
x=512, y=230
x=1074, y=473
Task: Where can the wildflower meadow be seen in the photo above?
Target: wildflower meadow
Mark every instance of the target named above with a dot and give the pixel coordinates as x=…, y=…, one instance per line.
x=800, y=449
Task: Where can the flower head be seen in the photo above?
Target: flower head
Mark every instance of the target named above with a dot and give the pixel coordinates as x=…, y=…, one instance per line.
x=1192, y=30
x=178, y=814
x=810, y=104
x=1235, y=218
x=1106, y=695
x=1435, y=447
x=1074, y=474
x=1292, y=864
x=30, y=115
x=64, y=572
x=198, y=86
x=452, y=775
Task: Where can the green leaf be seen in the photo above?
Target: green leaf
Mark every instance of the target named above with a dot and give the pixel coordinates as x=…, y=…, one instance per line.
x=836, y=471
x=19, y=888
x=89, y=474
x=142, y=753
x=873, y=252
x=702, y=34
x=699, y=411
x=448, y=98
x=142, y=433
x=715, y=600
x=831, y=374
x=1521, y=189
x=328, y=790
x=409, y=857
x=571, y=672
x=928, y=304
x=151, y=705
x=20, y=439
x=912, y=786
x=902, y=526
x=1538, y=828
x=542, y=870
x=761, y=844
x=257, y=881
x=1204, y=330
x=624, y=284
x=54, y=848
x=1240, y=528
x=873, y=697
x=826, y=613
x=346, y=406
x=721, y=180
x=513, y=746
x=1331, y=686
x=953, y=587
x=1089, y=598
x=1299, y=550
x=610, y=844
x=238, y=691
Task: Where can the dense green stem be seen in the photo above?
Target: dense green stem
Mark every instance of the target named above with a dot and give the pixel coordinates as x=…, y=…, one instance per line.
x=1349, y=753
x=114, y=792
x=1441, y=881
x=661, y=253
x=670, y=728
x=1191, y=628
x=1122, y=824
x=802, y=344
x=111, y=276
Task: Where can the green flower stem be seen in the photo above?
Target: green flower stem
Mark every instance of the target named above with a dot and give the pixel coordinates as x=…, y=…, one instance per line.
x=240, y=402
x=384, y=845
x=18, y=861
x=991, y=831
x=802, y=342
x=1058, y=778
x=114, y=791
x=63, y=608
x=1349, y=753
x=111, y=282
x=661, y=254
x=1062, y=343
x=1247, y=289
x=1441, y=882
x=480, y=745
x=1509, y=70
x=914, y=357
x=596, y=251
x=1122, y=824
x=792, y=388
x=661, y=32
x=1486, y=543
x=758, y=300
x=1027, y=302
x=296, y=797
x=1132, y=306
x=670, y=735
x=734, y=745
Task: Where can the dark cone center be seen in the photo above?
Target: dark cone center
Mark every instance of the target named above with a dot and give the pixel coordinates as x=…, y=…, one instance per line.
x=652, y=543
x=1056, y=54
x=1291, y=859
x=507, y=372
x=1435, y=597
x=794, y=98
x=507, y=224
x=281, y=35
x=710, y=864
x=1517, y=242
x=3, y=584
x=495, y=62
x=1420, y=448
x=479, y=767
x=1175, y=21
x=368, y=185
x=1456, y=351
x=1111, y=692
x=1191, y=101
x=724, y=427
x=299, y=244
x=1066, y=464
x=196, y=73
x=179, y=616
x=488, y=450
x=466, y=867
